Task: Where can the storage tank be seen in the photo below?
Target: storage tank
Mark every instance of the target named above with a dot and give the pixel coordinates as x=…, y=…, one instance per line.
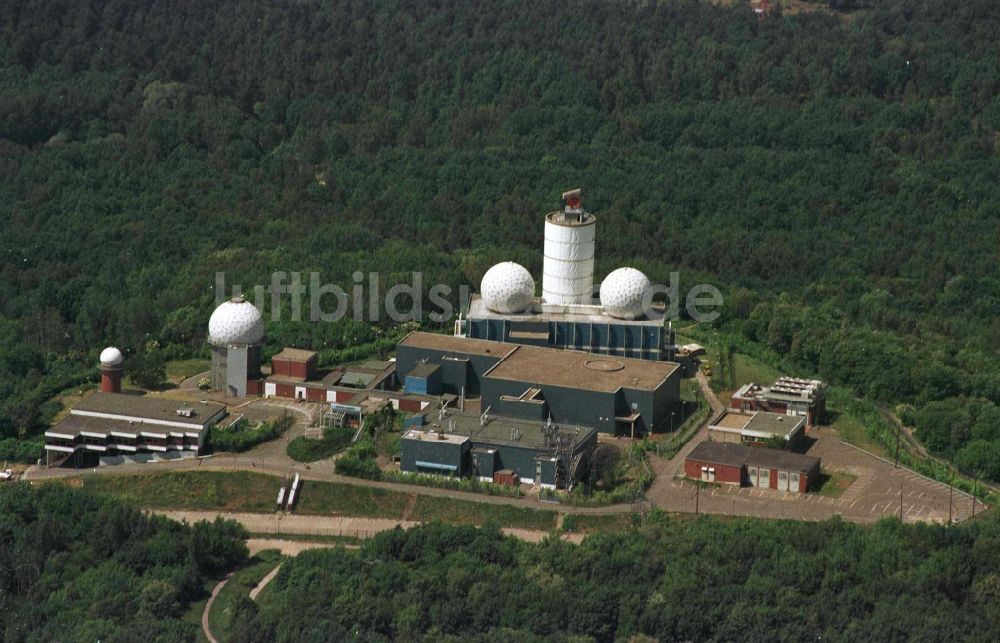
x=568, y=269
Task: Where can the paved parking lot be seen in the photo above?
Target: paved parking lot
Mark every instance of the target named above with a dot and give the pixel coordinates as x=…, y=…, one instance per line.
x=874, y=494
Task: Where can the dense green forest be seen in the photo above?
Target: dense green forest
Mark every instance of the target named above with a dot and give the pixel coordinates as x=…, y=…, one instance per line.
x=835, y=173
x=78, y=567
x=702, y=580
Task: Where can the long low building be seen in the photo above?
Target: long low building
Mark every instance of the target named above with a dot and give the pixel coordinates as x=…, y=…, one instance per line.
x=496, y=448
x=611, y=394
x=741, y=465
x=757, y=427
x=115, y=424
x=294, y=375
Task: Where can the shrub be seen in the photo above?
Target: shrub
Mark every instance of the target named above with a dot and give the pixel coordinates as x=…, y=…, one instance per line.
x=334, y=440
x=21, y=451
x=359, y=462
x=238, y=439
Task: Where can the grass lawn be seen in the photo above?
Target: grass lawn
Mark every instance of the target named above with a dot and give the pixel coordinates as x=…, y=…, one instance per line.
x=350, y=500
x=196, y=490
x=465, y=512
x=179, y=370
x=256, y=493
x=833, y=483
x=850, y=428
x=240, y=584
x=749, y=370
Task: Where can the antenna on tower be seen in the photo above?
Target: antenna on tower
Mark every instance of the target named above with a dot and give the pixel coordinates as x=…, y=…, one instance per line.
x=572, y=199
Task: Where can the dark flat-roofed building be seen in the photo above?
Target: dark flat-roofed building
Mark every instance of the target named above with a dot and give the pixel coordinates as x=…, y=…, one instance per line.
x=612, y=394
x=544, y=454
x=116, y=424
x=737, y=464
x=463, y=361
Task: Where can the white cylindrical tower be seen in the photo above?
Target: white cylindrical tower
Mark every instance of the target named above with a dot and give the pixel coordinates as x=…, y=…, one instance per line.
x=568, y=269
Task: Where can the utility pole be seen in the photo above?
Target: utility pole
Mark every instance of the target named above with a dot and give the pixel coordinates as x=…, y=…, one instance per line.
x=900, y=500
x=899, y=430
x=697, y=496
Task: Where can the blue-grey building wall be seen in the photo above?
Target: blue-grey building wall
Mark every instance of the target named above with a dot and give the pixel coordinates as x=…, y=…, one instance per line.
x=442, y=452
x=458, y=370
x=622, y=338
x=567, y=406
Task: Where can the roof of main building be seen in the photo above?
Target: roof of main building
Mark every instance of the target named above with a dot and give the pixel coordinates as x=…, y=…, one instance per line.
x=504, y=431
x=580, y=370
x=147, y=407
x=452, y=344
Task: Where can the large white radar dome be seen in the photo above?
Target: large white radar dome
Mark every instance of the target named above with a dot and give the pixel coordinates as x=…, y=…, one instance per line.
x=507, y=288
x=236, y=322
x=111, y=356
x=622, y=292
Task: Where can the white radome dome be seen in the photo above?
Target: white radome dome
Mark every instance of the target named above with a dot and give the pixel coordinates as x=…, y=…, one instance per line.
x=507, y=288
x=622, y=292
x=111, y=356
x=236, y=322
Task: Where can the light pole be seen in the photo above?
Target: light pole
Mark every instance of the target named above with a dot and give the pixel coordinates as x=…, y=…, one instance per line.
x=899, y=430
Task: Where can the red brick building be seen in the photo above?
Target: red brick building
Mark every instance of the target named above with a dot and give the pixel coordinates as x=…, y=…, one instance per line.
x=294, y=363
x=753, y=466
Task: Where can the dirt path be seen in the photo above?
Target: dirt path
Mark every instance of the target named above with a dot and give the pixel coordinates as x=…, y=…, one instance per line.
x=192, y=382
x=208, y=607
x=287, y=547
x=263, y=582
x=410, y=506
x=343, y=526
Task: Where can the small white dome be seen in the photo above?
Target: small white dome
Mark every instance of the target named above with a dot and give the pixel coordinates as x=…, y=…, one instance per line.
x=507, y=288
x=622, y=292
x=236, y=322
x=111, y=356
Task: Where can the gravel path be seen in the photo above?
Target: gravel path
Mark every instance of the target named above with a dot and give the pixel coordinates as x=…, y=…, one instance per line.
x=348, y=526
